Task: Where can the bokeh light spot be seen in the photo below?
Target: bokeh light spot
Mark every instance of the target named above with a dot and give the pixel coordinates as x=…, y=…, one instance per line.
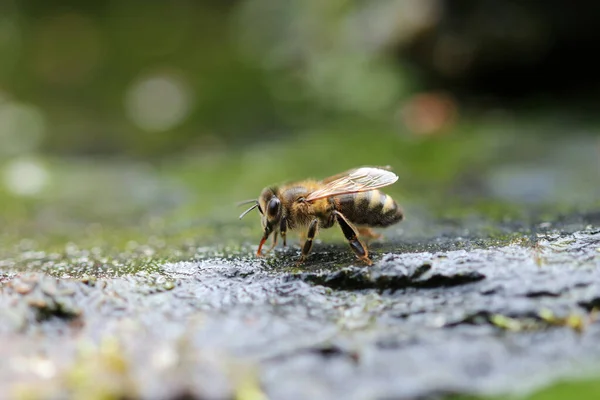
x=158, y=103
x=429, y=113
x=22, y=127
x=354, y=84
x=25, y=177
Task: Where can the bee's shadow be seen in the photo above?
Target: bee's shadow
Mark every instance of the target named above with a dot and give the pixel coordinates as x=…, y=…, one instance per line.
x=322, y=256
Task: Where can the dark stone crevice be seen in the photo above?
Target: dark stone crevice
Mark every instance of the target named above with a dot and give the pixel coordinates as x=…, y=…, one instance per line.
x=386, y=278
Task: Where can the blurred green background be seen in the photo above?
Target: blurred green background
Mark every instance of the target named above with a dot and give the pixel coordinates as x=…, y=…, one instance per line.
x=132, y=127
x=160, y=115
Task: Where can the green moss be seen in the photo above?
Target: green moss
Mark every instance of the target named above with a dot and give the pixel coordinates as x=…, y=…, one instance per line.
x=584, y=389
x=100, y=372
x=131, y=217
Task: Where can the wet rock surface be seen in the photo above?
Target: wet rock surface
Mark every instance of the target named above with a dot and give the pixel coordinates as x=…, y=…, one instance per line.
x=429, y=318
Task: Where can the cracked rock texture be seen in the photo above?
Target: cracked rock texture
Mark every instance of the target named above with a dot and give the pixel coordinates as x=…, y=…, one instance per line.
x=425, y=322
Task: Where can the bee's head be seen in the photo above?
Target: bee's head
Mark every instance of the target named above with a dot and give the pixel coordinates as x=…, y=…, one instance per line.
x=270, y=207
x=271, y=210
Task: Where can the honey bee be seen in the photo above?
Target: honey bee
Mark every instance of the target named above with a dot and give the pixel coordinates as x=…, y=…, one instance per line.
x=351, y=199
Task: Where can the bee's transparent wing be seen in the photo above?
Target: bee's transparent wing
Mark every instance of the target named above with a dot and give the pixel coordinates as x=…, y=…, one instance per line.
x=350, y=171
x=357, y=180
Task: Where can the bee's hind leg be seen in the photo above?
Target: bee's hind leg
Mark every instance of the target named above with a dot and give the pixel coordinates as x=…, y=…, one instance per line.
x=312, y=231
x=352, y=236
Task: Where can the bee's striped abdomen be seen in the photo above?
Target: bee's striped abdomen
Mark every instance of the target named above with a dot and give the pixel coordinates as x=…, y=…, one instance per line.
x=372, y=208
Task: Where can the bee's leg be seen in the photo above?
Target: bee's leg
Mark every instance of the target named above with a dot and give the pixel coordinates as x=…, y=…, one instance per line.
x=368, y=233
x=312, y=231
x=283, y=230
x=261, y=244
x=272, y=244
x=352, y=236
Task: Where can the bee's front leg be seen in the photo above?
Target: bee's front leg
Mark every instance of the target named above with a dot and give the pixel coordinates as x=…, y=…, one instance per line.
x=272, y=244
x=352, y=236
x=312, y=231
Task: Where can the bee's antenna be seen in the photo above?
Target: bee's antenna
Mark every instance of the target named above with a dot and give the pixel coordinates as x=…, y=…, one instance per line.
x=241, y=203
x=248, y=210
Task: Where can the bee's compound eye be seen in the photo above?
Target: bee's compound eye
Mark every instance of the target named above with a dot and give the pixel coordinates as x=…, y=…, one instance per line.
x=273, y=207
